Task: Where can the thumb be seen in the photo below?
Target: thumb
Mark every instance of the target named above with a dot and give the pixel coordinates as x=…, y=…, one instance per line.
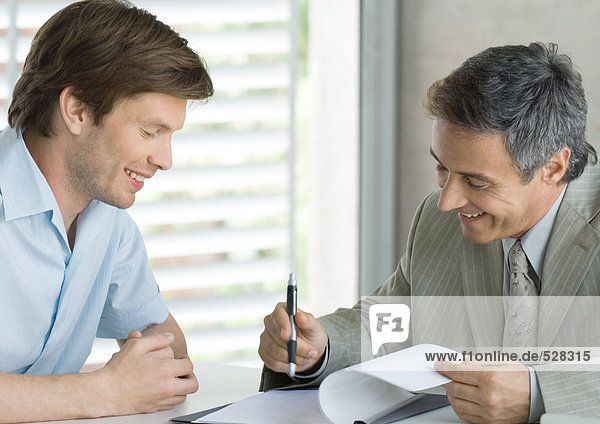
x=313, y=334
x=307, y=323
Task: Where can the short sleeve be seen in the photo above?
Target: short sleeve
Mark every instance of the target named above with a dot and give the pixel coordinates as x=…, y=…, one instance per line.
x=134, y=301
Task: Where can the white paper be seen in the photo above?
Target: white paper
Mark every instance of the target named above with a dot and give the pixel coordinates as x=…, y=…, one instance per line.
x=275, y=406
x=348, y=396
x=352, y=393
x=406, y=368
x=365, y=391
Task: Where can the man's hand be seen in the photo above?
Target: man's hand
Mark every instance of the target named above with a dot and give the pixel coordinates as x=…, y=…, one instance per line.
x=144, y=375
x=311, y=340
x=487, y=392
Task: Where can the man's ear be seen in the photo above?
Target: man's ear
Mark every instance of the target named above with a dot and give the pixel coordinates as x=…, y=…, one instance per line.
x=556, y=167
x=73, y=111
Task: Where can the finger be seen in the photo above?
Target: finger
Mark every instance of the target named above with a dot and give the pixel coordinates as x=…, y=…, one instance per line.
x=466, y=411
x=277, y=324
x=181, y=367
x=457, y=372
x=462, y=391
x=468, y=418
x=152, y=342
x=171, y=402
x=275, y=349
x=165, y=353
x=311, y=331
x=185, y=385
x=280, y=362
x=134, y=334
x=305, y=352
x=304, y=320
x=274, y=356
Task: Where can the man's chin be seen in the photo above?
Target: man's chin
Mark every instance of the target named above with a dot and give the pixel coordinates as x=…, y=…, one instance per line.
x=123, y=203
x=477, y=238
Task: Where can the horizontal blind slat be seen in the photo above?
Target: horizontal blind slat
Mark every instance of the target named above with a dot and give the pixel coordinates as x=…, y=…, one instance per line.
x=213, y=310
x=228, y=147
x=217, y=178
x=192, y=243
x=255, y=108
x=260, y=41
x=219, y=274
x=185, y=12
x=223, y=208
x=252, y=76
x=222, y=340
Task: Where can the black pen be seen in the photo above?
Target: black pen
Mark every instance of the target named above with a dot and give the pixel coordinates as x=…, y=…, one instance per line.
x=292, y=293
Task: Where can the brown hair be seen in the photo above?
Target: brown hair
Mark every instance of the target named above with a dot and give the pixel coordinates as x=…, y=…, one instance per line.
x=107, y=50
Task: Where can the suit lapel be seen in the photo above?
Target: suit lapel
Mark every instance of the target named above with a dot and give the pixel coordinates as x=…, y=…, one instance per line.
x=482, y=272
x=569, y=254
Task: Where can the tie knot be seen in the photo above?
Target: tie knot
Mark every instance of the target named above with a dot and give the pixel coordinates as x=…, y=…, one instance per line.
x=517, y=260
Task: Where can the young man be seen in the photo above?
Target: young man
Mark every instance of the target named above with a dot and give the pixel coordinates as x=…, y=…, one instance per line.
x=511, y=154
x=103, y=88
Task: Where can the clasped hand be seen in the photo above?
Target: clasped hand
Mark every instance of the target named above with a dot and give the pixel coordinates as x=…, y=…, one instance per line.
x=144, y=376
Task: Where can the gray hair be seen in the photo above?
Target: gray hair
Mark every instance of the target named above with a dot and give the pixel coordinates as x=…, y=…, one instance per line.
x=531, y=94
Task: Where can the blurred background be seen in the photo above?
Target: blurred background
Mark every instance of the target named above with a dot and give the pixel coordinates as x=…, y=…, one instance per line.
x=313, y=154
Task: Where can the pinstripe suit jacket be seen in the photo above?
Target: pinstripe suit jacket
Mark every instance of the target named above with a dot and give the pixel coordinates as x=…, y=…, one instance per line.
x=455, y=291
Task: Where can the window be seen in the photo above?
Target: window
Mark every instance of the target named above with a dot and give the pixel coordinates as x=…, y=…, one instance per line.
x=224, y=226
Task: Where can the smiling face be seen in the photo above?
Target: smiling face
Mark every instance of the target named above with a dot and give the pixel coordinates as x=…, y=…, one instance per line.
x=111, y=162
x=479, y=181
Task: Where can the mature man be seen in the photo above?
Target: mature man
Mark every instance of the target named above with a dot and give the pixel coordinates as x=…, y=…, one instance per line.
x=516, y=219
x=103, y=88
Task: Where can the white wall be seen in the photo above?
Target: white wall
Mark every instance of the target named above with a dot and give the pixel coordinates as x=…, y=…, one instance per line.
x=331, y=166
x=437, y=35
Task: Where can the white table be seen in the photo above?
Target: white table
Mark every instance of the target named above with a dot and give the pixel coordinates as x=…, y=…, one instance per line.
x=221, y=384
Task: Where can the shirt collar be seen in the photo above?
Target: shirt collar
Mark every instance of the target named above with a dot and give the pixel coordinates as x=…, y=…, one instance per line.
x=24, y=189
x=535, y=240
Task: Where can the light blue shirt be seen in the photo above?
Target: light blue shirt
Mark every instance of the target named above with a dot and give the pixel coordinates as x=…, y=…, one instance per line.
x=534, y=243
x=54, y=301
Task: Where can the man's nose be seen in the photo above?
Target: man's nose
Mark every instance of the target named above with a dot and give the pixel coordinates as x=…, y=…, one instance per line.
x=161, y=156
x=452, y=196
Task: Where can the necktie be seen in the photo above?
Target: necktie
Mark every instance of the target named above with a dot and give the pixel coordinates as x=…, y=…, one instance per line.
x=520, y=328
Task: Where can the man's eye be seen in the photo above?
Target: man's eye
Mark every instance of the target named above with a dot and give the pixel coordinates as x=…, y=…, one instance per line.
x=475, y=186
x=147, y=134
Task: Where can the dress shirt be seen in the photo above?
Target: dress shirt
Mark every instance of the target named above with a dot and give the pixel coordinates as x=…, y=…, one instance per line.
x=534, y=243
x=55, y=301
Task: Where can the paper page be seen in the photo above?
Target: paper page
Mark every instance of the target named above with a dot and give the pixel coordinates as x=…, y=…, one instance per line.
x=276, y=406
x=377, y=387
x=345, y=397
x=407, y=368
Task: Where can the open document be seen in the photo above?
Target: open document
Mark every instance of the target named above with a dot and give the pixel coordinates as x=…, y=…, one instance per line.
x=373, y=392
